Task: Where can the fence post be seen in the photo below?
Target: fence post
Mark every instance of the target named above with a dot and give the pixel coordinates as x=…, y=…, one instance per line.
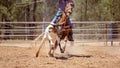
x=111, y=33
x=106, y=35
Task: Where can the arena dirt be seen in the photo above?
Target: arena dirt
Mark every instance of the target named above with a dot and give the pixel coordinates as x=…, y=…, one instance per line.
x=75, y=57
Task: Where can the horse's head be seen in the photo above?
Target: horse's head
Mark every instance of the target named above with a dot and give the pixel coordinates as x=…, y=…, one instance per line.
x=68, y=8
x=63, y=21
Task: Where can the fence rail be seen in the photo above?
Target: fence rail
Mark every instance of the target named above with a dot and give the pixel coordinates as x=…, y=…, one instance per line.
x=85, y=30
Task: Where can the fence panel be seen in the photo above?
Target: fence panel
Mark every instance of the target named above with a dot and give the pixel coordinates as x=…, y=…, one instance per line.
x=87, y=30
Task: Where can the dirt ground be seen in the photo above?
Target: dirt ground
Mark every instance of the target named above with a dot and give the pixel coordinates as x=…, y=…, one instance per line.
x=75, y=57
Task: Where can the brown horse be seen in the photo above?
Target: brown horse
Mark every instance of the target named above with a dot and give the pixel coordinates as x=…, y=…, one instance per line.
x=56, y=33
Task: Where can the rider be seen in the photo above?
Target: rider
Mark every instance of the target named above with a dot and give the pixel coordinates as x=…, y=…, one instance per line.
x=61, y=8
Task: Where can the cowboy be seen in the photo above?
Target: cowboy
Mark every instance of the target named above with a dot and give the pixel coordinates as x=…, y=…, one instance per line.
x=61, y=8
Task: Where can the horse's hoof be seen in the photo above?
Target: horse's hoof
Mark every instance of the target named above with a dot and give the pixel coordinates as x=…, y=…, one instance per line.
x=62, y=51
x=52, y=47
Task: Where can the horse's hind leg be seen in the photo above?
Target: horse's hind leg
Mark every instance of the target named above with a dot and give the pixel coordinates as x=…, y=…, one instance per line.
x=51, y=53
x=52, y=50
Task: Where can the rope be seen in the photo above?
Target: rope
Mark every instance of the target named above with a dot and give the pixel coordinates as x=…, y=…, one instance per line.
x=36, y=39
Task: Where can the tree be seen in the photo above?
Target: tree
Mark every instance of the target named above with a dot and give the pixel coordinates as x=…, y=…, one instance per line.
x=34, y=10
x=92, y=10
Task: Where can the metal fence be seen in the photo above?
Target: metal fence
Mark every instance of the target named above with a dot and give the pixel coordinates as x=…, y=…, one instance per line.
x=105, y=31
x=97, y=31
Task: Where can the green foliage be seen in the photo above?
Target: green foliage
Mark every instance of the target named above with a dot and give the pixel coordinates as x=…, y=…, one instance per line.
x=6, y=9
x=99, y=10
x=14, y=10
x=85, y=10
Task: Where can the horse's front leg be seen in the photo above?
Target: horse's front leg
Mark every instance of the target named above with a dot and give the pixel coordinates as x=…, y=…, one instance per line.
x=65, y=43
x=64, y=47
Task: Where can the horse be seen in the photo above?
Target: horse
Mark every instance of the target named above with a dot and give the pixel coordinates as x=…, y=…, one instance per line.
x=57, y=32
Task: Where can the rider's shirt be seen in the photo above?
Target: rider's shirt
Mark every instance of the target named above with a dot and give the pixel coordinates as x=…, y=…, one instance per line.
x=62, y=4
